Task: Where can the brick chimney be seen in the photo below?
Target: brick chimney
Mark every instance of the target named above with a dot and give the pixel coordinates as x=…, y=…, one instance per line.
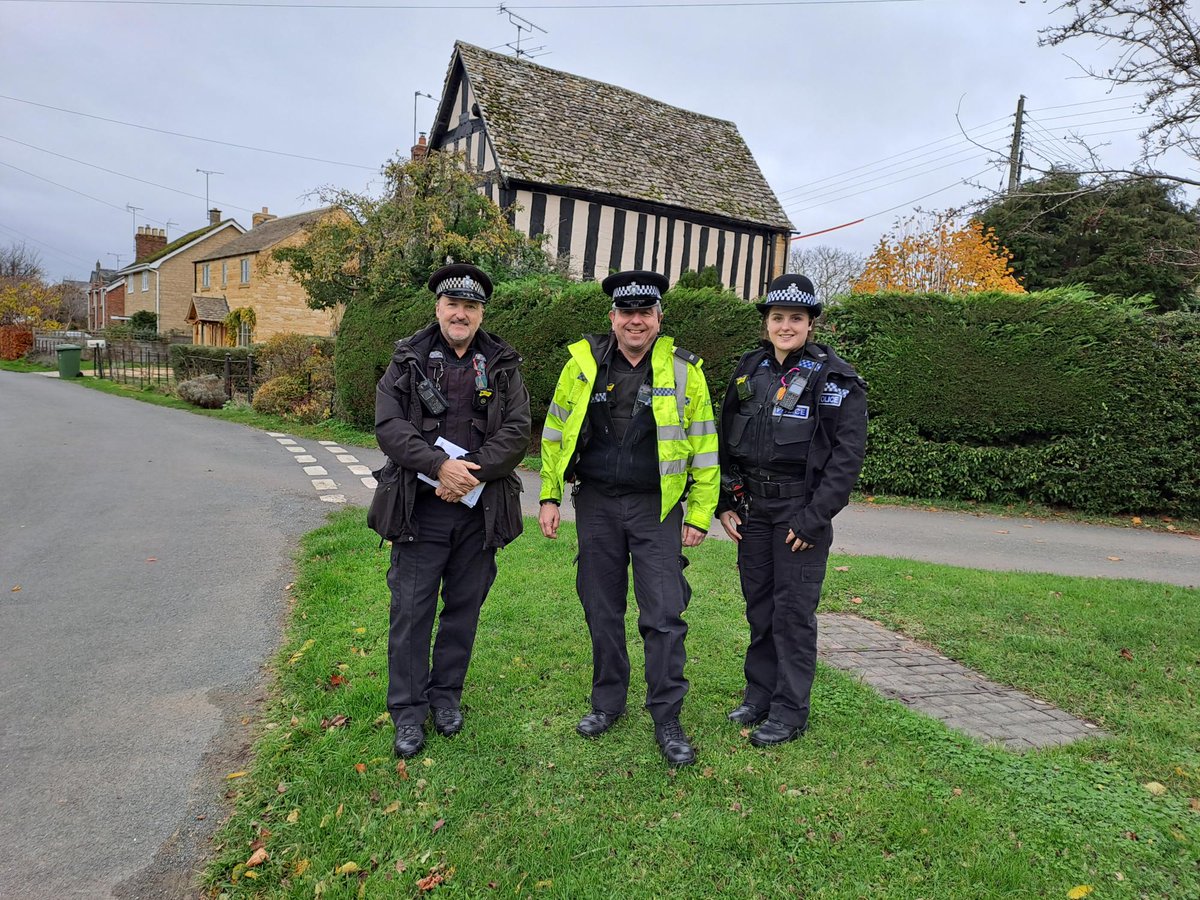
x=420, y=148
x=147, y=242
x=258, y=218
x=214, y=217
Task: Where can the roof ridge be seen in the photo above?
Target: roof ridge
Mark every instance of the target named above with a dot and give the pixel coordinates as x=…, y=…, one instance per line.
x=608, y=84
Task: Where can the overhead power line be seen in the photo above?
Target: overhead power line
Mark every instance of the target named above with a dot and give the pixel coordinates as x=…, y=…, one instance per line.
x=194, y=137
x=123, y=175
x=60, y=252
x=682, y=4
x=74, y=191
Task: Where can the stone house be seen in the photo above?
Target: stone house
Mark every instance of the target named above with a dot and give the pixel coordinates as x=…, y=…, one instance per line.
x=162, y=275
x=612, y=178
x=243, y=273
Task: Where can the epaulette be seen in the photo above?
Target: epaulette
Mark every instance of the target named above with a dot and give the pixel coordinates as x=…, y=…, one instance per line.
x=688, y=356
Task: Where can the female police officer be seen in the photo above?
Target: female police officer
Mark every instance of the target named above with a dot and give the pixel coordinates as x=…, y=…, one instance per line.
x=792, y=435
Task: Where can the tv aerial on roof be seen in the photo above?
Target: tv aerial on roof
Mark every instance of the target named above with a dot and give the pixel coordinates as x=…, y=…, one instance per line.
x=522, y=25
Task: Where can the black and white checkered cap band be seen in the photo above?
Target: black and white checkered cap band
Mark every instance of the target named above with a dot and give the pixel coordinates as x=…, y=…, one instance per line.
x=792, y=294
x=462, y=284
x=634, y=289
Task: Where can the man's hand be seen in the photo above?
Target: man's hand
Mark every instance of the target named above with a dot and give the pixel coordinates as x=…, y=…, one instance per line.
x=447, y=494
x=731, y=522
x=796, y=542
x=693, y=537
x=548, y=519
x=456, y=478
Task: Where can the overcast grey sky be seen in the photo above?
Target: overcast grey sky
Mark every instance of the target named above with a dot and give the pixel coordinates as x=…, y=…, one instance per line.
x=849, y=107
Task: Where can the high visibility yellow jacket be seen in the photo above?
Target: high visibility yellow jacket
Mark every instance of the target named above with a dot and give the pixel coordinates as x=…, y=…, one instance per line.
x=687, y=434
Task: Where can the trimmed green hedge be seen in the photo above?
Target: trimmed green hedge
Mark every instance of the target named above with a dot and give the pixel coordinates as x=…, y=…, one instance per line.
x=1059, y=397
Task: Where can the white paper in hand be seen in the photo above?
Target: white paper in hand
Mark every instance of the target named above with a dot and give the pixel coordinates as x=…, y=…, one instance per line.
x=455, y=452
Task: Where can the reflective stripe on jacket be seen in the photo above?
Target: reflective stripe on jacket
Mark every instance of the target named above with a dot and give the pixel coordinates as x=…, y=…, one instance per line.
x=687, y=434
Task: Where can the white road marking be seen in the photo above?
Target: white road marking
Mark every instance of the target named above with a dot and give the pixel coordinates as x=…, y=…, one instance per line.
x=333, y=449
x=285, y=441
x=305, y=459
x=296, y=450
x=347, y=458
x=324, y=484
x=327, y=443
x=334, y=498
x=315, y=470
x=276, y=434
x=359, y=470
x=369, y=482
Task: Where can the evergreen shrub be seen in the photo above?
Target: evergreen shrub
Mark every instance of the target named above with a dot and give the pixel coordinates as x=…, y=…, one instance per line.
x=206, y=391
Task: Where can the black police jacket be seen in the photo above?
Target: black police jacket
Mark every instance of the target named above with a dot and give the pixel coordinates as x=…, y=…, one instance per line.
x=406, y=433
x=835, y=453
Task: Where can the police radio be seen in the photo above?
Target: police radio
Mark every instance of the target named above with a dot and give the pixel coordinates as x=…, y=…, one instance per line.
x=430, y=394
x=787, y=398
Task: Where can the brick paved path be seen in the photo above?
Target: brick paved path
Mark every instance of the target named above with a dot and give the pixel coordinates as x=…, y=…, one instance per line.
x=902, y=669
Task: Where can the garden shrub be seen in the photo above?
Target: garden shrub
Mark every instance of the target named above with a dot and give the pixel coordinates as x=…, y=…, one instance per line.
x=14, y=342
x=280, y=395
x=206, y=391
x=286, y=354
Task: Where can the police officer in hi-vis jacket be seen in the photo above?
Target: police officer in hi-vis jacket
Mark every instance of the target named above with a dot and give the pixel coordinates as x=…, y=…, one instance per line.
x=630, y=421
x=793, y=433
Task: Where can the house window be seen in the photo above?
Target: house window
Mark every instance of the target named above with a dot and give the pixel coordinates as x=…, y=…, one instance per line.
x=145, y=281
x=205, y=278
x=224, y=274
x=243, y=334
x=245, y=271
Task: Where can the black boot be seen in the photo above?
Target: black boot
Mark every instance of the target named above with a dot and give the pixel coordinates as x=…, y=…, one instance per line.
x=410, y=740
x=747, y=714
x=674, y=743
x=596, y=723
x=447, y=722
x=770, y=733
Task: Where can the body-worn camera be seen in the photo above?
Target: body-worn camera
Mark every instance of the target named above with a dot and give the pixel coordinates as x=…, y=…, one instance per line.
x=431, y=398
x=644, y=395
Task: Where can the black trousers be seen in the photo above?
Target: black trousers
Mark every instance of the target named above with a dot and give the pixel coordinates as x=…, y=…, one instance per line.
x=449, y=555
x=612, y=532
x=782, y=589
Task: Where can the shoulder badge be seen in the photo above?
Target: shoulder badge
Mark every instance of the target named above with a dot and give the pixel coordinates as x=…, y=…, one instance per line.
x=687, y=356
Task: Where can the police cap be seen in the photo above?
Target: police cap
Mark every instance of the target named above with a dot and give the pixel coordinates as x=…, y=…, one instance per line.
x=637, y=289
x=461, y=281
x=794, y=291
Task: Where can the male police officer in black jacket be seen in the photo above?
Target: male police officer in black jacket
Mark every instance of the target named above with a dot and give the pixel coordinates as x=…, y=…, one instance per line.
x=792, y=437
x=456, y=382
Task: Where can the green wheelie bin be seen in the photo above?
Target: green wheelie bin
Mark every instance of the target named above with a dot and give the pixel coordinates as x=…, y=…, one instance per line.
x=68, y=360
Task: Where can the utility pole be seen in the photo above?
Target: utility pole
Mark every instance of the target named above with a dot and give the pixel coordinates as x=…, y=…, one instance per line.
x=206, y=173
x=417, y=94
x=1014, y=155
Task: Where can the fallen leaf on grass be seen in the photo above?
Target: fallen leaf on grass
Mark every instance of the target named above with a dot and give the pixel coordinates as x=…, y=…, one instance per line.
x=346, y=868
x=427, y=762
x=1137, y=520
x=1079, y=892
x=438, y=826
x=360, y=768
x=382, y=719
x=401, y=866
x=493, y=885
x=544, y=885
x=1126, y=653
x=1194, y=803
x=293, y=817
x=392, y=807
x=856, y=600
x=841, y=568
x=337, y=721
x=707, y=772
x=341, y=809
x=299, y=867
x=1114, y=559
x=1120, y=876
x=1155, y=788
x=402, y=770
x=745, y=732
x=281, y=788
x=337, y=679
x=252, y=874
x=257, y=858
x=360, y=630
x=232, y=775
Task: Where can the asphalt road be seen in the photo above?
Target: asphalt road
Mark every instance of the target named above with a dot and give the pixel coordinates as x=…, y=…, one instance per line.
x=151, y=548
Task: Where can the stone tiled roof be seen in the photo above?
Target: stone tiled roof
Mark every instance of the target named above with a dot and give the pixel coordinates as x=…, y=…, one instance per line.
x=554, y=128
x=208, y=309
x=266, y=235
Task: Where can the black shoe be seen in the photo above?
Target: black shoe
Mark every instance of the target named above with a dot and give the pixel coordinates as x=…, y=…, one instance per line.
x=747, y=714
x=410, y=740
x=447, y=722
x=770, y=733
x=596, y=723
x=674, y=743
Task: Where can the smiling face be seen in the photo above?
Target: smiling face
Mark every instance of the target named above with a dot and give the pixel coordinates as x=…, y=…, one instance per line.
x=459, y=320
x=788, y=328
x=635, y=329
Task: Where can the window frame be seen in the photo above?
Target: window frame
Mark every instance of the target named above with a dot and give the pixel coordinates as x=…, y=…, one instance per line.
x=205, y=276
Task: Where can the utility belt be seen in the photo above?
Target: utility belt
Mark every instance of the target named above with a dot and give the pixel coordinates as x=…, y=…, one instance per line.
x=771, y=487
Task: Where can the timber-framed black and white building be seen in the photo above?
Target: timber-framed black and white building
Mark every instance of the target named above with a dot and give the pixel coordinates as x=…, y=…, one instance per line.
x=614, y=179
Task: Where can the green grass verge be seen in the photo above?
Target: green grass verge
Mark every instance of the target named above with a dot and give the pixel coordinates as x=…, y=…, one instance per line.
x=24, y=365
x=330, y=430
x=876, y=801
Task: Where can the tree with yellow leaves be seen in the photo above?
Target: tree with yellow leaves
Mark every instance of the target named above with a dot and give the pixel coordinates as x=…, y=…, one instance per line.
x=934, y=254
